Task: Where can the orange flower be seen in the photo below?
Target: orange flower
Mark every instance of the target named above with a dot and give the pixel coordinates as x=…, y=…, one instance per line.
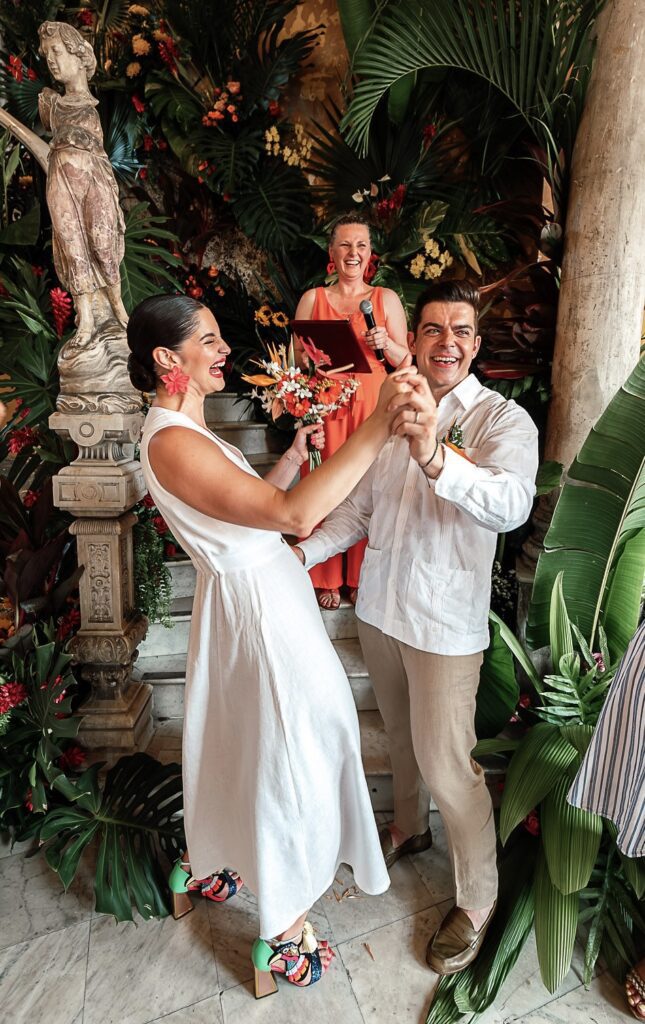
x=459, y=451
x=296, y=406
x=329, y=391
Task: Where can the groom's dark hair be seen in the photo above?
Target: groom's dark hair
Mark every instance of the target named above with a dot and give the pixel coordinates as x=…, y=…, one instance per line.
x=446, y=291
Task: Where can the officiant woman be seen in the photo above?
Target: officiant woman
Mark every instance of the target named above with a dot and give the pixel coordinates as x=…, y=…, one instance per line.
x=350, y=255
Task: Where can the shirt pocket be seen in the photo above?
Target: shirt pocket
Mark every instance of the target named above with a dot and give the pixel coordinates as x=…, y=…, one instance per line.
x=371, y=582
x=441, y=597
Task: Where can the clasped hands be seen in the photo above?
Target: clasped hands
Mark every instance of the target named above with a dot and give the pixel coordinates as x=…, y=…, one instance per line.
x=415, y=419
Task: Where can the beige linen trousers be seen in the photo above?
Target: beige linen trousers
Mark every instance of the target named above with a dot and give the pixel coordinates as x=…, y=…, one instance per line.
x=428, y=706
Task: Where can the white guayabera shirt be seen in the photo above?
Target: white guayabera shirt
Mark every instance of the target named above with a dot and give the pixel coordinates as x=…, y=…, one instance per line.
x=426, y=576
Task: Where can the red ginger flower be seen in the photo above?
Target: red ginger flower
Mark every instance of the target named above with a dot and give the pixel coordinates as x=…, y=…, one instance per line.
x=61, y=304
x=72, y=759
x=30, y=498
x=11, y=695
x=23, y=437
x=86, y=17
x=371, y=268
x=14, y=67
x=138, y=104
x=68, y=623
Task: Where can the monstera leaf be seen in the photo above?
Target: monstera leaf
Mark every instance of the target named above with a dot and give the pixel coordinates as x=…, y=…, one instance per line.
x=139, y=809
x=274, y=208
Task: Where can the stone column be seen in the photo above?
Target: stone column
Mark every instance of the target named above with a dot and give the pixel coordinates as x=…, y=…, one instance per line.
x=600, y=312
x=98, y=489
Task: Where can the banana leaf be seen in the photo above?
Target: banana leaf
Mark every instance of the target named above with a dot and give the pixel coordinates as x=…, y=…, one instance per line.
x=560, y=637
x=556, y=921
x=475, y=988
x=139, y=809
x=596, y=537
x=356, y=19
x=571, y=839
x=536, y=767
x=498, y=691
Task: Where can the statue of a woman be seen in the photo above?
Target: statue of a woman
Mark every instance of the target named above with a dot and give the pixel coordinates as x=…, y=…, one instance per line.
x=82, y=192
x=87, y=226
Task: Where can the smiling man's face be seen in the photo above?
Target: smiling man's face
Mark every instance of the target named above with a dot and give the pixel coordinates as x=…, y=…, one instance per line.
x=445, y=344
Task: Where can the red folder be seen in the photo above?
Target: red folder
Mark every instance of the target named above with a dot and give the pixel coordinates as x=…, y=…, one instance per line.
x=337, y=340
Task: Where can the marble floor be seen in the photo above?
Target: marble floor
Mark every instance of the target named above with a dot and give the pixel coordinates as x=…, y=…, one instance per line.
x=60, y=963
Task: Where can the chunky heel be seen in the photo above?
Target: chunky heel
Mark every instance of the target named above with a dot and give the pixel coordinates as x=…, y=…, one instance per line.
x=298, y=959
x=265, y=984
x=181, y=904
x=178, y=883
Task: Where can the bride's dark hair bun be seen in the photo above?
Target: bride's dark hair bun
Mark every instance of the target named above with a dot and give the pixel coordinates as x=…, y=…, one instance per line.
x=166, y=320
x=142, y=378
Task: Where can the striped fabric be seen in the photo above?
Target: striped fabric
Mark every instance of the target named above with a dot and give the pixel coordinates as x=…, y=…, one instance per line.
x=611, y=780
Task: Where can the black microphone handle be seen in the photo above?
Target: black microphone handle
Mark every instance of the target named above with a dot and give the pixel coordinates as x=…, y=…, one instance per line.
x=370, y=322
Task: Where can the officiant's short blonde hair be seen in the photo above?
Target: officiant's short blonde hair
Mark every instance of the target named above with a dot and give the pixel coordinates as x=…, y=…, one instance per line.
x=72, y=40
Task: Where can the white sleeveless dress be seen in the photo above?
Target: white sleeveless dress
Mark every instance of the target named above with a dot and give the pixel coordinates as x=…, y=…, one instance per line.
x=273, y=780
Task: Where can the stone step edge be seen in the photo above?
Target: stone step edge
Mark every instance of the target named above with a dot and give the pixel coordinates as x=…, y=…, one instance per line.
x=177, y=677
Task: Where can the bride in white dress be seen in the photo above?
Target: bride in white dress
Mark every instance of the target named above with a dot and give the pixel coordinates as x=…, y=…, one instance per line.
x=273, y=780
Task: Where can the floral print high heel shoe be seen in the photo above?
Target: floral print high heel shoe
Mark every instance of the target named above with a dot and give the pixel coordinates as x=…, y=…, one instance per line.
x=302, y=960
x=219, y=887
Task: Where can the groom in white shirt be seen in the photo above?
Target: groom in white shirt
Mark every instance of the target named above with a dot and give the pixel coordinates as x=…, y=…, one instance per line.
x=459, y=469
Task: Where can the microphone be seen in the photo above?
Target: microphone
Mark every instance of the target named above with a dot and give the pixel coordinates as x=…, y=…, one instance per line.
x=367, y=309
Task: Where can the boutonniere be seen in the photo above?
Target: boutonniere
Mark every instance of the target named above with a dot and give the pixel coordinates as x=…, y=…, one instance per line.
x=455, y=439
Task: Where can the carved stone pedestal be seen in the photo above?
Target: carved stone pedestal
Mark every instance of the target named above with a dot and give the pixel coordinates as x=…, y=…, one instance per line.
x=99, y=488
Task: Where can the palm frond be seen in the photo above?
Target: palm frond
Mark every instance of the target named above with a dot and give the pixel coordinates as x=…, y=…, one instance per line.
x=147, y=264
x=120, y=129
x=266, y=70
x=531, y=51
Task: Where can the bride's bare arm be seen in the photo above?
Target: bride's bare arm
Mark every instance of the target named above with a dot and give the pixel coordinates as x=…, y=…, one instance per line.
x=196, y=471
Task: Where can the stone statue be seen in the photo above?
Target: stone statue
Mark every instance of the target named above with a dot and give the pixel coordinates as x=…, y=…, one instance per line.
x=87, y=226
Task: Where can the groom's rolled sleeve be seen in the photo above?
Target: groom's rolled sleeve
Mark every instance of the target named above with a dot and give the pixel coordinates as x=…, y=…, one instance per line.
x=497, y=492
x=343, y=527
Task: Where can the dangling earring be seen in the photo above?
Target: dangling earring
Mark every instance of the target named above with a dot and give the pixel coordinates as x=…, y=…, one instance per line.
x=176, y=382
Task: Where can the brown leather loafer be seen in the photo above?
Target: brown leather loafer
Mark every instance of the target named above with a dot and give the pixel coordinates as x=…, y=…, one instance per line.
x=456, y=943
x=415, y=844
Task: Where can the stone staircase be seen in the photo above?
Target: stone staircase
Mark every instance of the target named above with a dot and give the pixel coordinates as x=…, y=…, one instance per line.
x=162, y=656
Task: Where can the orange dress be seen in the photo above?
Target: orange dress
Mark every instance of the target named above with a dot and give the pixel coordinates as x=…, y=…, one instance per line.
x=340, y=424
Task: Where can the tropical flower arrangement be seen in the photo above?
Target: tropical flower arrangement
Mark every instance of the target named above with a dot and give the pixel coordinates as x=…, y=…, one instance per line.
x=304, y=398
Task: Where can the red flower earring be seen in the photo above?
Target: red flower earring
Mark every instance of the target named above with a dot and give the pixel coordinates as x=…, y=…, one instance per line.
x=176, y=382
x=331, y=267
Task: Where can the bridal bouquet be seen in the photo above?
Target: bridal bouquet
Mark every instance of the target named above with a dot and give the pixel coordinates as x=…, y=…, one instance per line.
x=307, y=398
